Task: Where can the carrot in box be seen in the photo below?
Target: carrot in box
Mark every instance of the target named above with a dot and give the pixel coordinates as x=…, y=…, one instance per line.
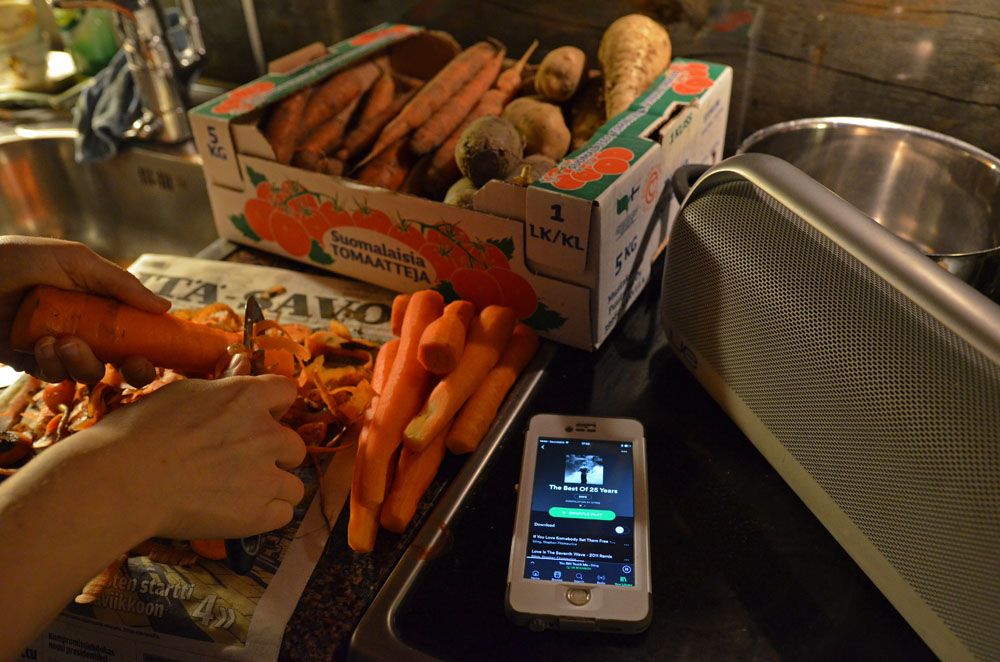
x=488, y=335
x=406, y=387
x=443, y=169
x=116, y=331
x=435, y=94
x=284, y=126
x=337, y=92
x=436, y=130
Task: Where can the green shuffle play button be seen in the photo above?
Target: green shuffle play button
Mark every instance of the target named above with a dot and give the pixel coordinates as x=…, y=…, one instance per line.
x=582, y=513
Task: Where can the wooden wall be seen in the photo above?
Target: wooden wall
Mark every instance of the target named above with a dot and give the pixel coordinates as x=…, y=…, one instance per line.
x=932, y=63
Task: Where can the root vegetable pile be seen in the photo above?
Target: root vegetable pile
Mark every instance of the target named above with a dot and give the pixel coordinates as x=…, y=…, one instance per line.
x=390, y=130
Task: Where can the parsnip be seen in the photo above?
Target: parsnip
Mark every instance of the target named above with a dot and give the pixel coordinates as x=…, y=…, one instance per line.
x=634, y=50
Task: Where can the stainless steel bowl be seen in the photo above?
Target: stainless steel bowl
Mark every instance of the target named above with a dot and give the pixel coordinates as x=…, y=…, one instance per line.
x=937, y=192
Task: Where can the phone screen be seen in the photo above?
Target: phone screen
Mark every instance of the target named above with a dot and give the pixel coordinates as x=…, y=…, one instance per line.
x=582, y=513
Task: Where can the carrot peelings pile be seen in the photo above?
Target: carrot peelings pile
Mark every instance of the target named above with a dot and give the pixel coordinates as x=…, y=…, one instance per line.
x=332, y=368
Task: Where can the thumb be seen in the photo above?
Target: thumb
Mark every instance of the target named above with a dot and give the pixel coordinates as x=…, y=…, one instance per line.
x=96, y=274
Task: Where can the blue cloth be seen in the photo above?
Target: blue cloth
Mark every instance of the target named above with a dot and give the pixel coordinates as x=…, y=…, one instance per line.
x=105, y=110
x=108, y=108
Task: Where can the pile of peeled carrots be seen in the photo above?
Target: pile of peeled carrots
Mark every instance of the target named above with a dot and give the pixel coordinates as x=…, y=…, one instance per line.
x=438, y=387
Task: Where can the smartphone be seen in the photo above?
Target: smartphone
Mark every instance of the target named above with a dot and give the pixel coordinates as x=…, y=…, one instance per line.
x=579, y=558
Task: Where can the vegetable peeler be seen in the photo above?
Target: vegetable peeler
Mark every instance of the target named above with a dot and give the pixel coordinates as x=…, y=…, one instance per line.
x=242, y=552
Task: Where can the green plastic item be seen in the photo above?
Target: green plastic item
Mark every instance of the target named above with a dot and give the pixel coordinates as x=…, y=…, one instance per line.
x=89, y=35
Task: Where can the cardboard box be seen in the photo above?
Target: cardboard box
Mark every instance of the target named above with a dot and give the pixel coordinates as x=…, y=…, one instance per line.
x=569, y=253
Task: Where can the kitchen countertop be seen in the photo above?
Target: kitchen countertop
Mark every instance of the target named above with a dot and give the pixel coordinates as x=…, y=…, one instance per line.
x=741, y=569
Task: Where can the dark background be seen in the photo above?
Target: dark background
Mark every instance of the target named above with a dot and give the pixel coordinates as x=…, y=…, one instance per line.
x=930, y=63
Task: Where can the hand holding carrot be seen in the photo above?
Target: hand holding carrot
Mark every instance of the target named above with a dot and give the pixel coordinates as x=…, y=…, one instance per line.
x=29, y=261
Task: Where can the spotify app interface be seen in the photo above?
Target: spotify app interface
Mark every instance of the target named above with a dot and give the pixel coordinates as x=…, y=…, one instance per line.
x=582, y=518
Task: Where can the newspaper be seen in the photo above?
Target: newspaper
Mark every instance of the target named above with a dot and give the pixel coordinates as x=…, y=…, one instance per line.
x=163, y=613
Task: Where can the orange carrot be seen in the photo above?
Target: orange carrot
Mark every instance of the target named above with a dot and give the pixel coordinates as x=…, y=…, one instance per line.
x=285, y=125
x=362, y=525
x=363, y=135
x=488, y=335
x=435, y=94
x=414, y=473
x=212, y=548
x=380, y=97
x=96, y=586
x=399, y=303
x=337, y=92
x=436, y=130
x=476, y=415
x=388, y=170
x=444, y=339
x=311, y=153
x=116, y=331
x=443, y=169
x=405, y=389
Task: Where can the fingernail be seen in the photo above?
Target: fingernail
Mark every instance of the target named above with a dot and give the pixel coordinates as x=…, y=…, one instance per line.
x=68, y=350
x=46, y=348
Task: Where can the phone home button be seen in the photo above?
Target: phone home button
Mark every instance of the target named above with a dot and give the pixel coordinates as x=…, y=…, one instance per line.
x=578, y=596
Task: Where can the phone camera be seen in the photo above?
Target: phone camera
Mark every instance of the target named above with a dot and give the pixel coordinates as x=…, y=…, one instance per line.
x=569, y=428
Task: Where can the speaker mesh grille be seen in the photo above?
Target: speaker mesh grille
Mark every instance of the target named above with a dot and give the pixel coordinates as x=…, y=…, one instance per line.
x=892, y=414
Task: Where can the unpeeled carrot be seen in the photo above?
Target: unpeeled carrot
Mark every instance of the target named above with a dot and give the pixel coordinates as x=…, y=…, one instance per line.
x=439, y=126
x=285, y=125
x=362, y=525
x=436, y=93
x=210, y=548
x=405, y=390
x=337, y=92
x=488, y=335
x=311, y=152
x=399, y=303
x=116, y=331
x=388, y=170
x=443, y=169
x=444, y=339
x=363, y=135
x=479, y=411
x=379, y=97
x=414, y=473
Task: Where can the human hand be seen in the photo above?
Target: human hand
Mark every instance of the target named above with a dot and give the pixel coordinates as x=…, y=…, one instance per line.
x=203, y=459
x=29, y=261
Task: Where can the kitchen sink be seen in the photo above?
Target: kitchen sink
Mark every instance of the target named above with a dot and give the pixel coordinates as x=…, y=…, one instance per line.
x=147, y=199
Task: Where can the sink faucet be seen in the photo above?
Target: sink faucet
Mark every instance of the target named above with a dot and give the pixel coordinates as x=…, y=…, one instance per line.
x=161, y=71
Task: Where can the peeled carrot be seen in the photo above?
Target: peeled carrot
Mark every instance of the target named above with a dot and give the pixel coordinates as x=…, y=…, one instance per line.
x=479, y=411
x=436, y=93
x=488, y=335
x=363, y=135
x=414, y=473
x=337, y=92
x=405, y=390
x=443, y=169
x=399, y=303
x=436, y=130
x=362, y=525
x=116, y=331
x=380, y=97
x=388, y=170
x=444, y=339
x=285, y=125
